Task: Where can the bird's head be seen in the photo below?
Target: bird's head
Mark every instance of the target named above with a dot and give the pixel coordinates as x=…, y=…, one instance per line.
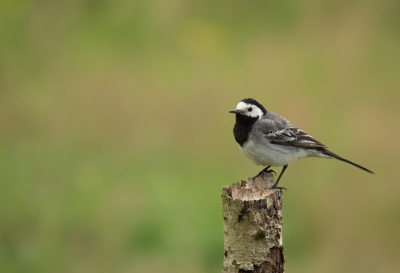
x=249, y=108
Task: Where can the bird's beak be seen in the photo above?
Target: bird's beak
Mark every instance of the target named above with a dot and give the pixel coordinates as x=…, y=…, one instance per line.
x=234, y=111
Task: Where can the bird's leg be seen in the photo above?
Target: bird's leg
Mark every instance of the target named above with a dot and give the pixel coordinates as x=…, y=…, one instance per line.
x=277, y=181
x=265, y=170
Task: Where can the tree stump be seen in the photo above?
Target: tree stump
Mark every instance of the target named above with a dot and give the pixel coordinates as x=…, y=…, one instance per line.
x=252, y=216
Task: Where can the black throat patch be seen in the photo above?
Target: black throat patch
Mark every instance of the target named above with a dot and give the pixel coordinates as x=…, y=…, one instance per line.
x=242, y=128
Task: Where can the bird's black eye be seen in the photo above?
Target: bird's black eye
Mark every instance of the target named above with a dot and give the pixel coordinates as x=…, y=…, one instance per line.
x=250, y=109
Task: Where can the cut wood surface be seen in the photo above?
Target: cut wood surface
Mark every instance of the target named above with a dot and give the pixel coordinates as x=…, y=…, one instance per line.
x=252, y=214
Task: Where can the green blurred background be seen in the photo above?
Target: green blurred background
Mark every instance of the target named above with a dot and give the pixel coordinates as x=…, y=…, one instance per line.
x=115, y=137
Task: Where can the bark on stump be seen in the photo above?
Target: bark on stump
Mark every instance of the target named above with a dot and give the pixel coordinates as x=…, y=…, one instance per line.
x=252, y=216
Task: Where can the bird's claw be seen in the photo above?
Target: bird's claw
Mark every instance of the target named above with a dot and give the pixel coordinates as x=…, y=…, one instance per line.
x=265, y=170
x=278, y=188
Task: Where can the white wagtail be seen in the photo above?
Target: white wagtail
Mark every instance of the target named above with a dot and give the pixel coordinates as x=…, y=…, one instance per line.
x=268, y=139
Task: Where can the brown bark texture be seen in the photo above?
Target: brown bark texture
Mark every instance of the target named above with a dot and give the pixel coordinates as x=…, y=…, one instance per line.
x=252, y=214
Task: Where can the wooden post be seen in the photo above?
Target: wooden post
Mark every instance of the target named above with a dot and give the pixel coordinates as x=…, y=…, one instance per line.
x=252, y=216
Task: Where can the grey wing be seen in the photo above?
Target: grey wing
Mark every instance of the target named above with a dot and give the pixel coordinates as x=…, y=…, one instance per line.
x=284, y=133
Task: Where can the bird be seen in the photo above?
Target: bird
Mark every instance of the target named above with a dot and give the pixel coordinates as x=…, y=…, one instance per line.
x=270, y=140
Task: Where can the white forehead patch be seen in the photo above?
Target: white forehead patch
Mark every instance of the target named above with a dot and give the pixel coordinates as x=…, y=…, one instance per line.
x=255, y=112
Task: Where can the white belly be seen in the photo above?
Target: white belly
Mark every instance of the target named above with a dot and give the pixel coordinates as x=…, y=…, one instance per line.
x=267, y=154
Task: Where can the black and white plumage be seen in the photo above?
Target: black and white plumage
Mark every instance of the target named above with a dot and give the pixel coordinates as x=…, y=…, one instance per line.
x=270, y=140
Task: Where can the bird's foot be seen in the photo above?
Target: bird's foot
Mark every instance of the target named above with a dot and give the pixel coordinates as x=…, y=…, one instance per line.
x=265, y=170
x=269, y=171
x=278, y=188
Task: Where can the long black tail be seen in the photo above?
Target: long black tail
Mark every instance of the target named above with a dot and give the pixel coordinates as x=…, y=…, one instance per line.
x=326, y=152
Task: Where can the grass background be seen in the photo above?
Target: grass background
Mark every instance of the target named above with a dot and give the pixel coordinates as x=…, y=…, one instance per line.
x=115, y=137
